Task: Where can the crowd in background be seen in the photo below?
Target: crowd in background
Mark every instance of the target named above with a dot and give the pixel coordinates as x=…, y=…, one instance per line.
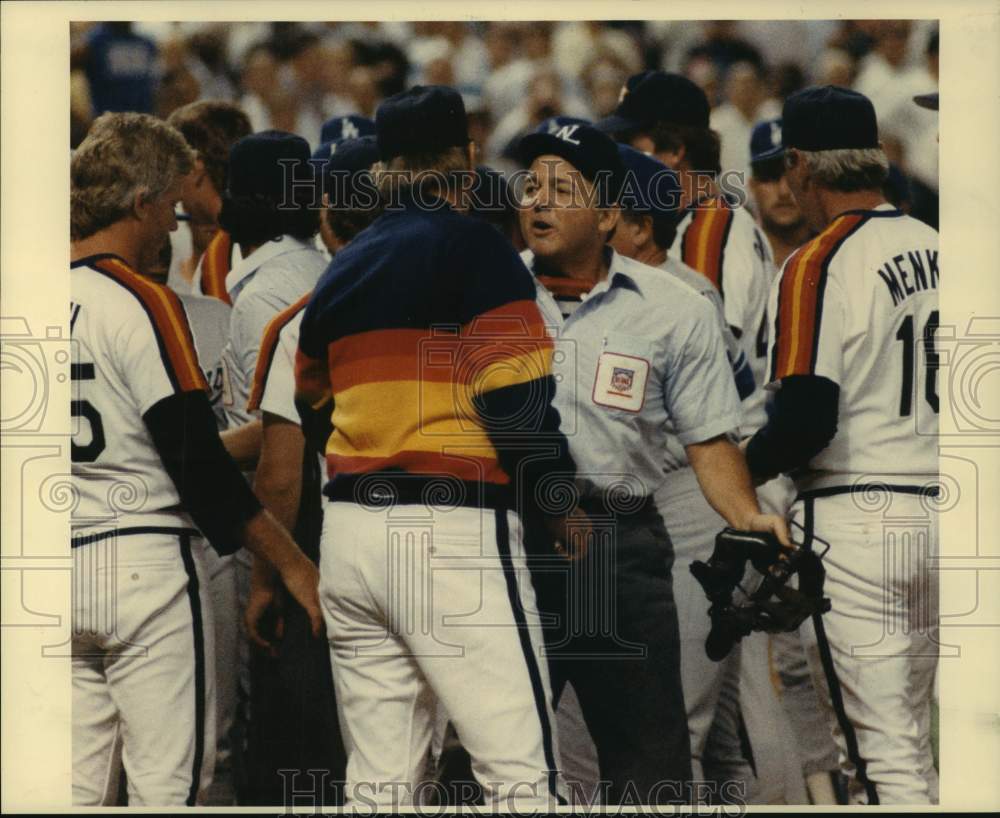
x=513, y=75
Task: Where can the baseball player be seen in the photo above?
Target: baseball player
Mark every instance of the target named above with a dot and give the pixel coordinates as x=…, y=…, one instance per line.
x=278, y=265
x=637, y=351
x=287, y=482
x=667, y=116
x=424, y=338
x=786, y=229
x=854, y=314
x=153, y=483
x=210, y=128
x=778, y=213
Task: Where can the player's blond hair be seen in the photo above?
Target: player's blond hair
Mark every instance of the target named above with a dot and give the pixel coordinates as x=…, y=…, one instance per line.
x=848, y=169
x=123, y=155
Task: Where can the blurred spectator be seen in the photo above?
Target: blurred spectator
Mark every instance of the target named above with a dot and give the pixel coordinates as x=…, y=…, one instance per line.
x=746, y=92
x=603, y=78
x=724, y=47
x=208, y=63
x=835, y=67
x=576, y=43
x=545, y=98
x=120, y=66
x=787, y=78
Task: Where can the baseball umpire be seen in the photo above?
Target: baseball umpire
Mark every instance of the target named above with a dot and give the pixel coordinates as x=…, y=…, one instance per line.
x=637, y=351
x=853, y=315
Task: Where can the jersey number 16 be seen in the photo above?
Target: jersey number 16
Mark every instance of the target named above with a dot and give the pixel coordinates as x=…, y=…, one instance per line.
x=905, y=334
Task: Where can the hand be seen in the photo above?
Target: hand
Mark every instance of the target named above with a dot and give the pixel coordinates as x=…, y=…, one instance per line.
x=266, y=601
x=774, y=524
x=301, y=578
x=570, y=534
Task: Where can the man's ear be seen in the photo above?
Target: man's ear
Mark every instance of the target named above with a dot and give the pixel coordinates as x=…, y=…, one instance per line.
x=141, y=204
x=608, y=218
x=643, y=231
x=473, y=153
x=673, y=159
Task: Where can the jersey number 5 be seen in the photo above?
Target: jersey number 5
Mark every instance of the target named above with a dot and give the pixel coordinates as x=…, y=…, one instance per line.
x=85, y=410
x=905, y=334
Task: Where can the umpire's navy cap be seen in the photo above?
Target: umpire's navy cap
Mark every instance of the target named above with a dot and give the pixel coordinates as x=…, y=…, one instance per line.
x=650, y=187
x=422, y=119
x=588, y=150
x=346, y=127
x=657, y=96
x=765, y=141
x=828, y=118
x=255, y=162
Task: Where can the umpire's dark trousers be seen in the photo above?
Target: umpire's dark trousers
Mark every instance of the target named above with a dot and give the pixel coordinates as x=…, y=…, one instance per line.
x=611, y=631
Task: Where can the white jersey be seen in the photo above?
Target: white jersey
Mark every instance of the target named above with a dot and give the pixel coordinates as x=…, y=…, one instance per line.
x=273, y=388
x=132, y=347
x=267, y=281
x=858, y=304
x=726, y=246
x=209, y=320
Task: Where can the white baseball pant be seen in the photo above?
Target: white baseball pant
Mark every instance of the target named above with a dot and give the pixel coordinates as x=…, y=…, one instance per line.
x=142, y=669
x=873, y=656
x=424, y=603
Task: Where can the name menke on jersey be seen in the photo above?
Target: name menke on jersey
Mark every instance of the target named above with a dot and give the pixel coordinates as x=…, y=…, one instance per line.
x=924, y=275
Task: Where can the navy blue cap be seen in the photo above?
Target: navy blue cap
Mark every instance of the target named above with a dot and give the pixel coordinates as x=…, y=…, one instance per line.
x=828, y=118
x=422, y=119
x=651, y=97
x=346, y=127
x=554, y=123
x=588, y=150
x=345, y=170
x=650, y=186
x=255, y=163
x=765, y=141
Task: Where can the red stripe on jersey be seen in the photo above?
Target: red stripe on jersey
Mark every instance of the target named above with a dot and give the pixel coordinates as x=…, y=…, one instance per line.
x=215, y=266
x=268, y=346
x=169, y=322
x=704, y=244
x=800, y=299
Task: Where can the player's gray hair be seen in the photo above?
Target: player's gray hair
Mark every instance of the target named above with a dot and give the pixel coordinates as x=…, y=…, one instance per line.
x=124, y=154
x=431, y=174
x=848, y=169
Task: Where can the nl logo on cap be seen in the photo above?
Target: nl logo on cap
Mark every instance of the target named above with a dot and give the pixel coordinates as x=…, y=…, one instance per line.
x=565, y=133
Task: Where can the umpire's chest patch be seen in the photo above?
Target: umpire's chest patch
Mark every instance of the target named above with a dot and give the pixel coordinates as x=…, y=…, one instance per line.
x=620, y=381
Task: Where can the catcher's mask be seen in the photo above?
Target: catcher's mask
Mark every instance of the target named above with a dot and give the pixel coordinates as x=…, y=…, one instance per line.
x=774, y=606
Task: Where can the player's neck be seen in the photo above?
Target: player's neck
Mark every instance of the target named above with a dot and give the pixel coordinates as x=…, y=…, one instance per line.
x=119, y=239
x=835, y=202
x=696, y=187
x=786, y=240
x=651, y=254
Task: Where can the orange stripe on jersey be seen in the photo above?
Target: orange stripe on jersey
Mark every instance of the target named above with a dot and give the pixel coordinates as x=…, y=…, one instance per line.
x=215, y=266
x=704, y=243
x=169, y=323
x=268, y=346
x=800, y=300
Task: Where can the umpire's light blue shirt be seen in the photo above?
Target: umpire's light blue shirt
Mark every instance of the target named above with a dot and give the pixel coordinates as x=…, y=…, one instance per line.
x=642, y=357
